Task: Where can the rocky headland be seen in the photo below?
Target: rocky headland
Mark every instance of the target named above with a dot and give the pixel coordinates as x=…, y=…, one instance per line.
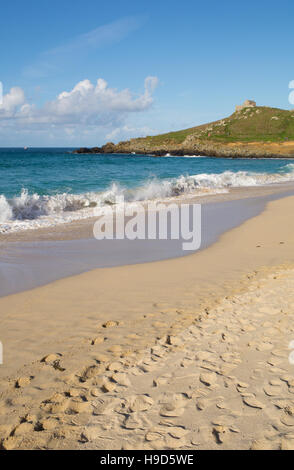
x=250, y=132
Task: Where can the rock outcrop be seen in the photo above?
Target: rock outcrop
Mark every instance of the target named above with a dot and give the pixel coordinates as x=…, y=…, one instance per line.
x=107, y=148
x=246, y=104
x=205, y=148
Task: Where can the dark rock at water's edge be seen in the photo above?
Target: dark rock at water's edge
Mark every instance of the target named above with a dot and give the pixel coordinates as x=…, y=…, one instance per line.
x=84, y=150
x=107, y=148
x=209, y=149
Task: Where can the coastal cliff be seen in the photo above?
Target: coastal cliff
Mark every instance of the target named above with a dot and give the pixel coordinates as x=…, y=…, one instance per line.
x=251, y=131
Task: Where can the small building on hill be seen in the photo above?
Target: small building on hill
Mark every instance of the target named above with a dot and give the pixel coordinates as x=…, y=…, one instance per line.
x=246, y=104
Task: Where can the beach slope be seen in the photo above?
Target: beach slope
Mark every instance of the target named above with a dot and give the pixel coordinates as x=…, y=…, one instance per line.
x=184, y=353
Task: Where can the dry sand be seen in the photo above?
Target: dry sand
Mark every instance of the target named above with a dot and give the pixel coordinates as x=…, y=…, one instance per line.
x=185, y=353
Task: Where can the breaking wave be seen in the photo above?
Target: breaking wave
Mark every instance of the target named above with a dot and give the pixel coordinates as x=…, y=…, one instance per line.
x=28, y=211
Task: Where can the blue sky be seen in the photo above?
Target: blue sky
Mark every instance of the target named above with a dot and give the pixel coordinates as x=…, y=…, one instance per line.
x=162, y=65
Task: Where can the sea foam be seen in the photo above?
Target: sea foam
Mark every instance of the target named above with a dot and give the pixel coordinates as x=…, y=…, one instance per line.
x=29, y=211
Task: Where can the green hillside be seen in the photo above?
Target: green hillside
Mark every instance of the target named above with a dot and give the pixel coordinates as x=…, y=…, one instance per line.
x=250, y=124
x=250, y=132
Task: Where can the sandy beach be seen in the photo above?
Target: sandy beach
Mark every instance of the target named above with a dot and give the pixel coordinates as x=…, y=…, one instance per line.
x=146, y=231
x=184, y=353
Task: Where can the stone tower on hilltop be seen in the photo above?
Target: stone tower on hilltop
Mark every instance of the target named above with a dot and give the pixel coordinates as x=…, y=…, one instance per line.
x=246, y=104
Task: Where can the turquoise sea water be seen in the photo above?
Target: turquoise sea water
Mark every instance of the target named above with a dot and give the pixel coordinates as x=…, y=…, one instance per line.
x=42, y=187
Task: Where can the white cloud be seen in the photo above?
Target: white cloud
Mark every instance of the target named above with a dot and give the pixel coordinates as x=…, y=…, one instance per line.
x=11, y=101
x=91, y=100
x=87, y=105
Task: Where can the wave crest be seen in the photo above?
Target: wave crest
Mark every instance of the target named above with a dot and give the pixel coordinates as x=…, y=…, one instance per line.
x=34, y=210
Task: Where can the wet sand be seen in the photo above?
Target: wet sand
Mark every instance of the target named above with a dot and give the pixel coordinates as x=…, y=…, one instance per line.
x=83, y=228
x=36, y=257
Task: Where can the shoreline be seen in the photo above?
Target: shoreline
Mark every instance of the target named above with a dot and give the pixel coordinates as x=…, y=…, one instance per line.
x=208, y=148
x=188, y=153
x=82, y=228
x=30, y=260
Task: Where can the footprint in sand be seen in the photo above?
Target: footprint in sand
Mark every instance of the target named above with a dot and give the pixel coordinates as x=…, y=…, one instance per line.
x=121, y=379
x=287, y=419
x=104, y=406
x=154, y=435
x=171, y=410
x=203, y=434
x=162, y=380
x=51, y=358
x=197, y=393
x=221, y=433
x=91, y=372
x=108, y=386
x=252, y=402
x=140, y=403
x=222, y=405
x=115, y=366
x=272, y=390
x=23, y=428
x=201, y=404
x=132, y=422
x=91, y=433
x=207, y=379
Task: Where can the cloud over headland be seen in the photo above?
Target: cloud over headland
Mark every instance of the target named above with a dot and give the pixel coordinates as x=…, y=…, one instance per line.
x=87, y=104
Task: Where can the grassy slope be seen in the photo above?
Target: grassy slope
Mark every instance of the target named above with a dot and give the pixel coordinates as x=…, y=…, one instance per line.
x=259, y=124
